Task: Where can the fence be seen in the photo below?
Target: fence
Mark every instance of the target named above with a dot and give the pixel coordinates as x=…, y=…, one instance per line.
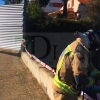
x=11, y=26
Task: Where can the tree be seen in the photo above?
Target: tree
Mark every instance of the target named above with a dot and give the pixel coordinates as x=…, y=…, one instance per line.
x=43, y=2
x=65, y=8
x=35, y=19
x=34, y=10
x=92, y=10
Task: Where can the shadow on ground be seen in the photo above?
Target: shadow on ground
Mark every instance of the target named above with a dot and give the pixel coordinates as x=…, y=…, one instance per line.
x=11, y=53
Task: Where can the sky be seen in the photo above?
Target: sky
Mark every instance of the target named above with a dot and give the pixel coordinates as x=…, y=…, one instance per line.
x=1, y=2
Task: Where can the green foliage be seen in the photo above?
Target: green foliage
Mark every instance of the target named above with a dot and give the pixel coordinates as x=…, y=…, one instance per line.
x=59, y=15
x=71, y=15
x=59, y=25
x=38, y=22
x=34, y=16
x=43, y=2
x=93, y=11
x=34, y=10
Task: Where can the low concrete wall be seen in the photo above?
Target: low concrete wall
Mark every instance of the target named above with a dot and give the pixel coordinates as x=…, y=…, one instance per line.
x=43, y=75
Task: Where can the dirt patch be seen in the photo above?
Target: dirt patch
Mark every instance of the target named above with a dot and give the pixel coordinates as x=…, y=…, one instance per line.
x=16, y=81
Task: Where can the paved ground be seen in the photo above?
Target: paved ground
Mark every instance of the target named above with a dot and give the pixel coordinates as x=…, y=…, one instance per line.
x=16, y=81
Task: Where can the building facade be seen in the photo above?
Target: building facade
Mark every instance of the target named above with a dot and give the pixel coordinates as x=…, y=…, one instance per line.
x=73, y=5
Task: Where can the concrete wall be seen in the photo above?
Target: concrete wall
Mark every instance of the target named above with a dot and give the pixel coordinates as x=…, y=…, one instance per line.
x=43, y=75
x=48, y=47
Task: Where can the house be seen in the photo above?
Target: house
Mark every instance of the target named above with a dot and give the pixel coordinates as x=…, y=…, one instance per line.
x=72, y=6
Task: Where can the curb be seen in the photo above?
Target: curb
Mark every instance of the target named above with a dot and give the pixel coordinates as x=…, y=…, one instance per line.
x=43, y=75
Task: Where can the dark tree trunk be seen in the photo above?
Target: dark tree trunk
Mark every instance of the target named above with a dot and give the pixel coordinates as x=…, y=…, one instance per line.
x=65, y=8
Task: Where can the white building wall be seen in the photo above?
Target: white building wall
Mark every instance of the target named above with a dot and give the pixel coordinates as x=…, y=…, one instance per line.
x=49, y=8
x=69, y=4
x=58, y=1
x=76, y=4
x=78, y=7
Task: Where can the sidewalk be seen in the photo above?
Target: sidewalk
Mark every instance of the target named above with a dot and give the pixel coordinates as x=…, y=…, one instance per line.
x=16, y=81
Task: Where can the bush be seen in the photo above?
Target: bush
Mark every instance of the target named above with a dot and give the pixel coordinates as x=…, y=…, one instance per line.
x=71, y=15
x=37, y=22
x=63, y=25
x=59, y=15
x=34, y=10
x=34, y=16
x=92, y=10
x=50, y=24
